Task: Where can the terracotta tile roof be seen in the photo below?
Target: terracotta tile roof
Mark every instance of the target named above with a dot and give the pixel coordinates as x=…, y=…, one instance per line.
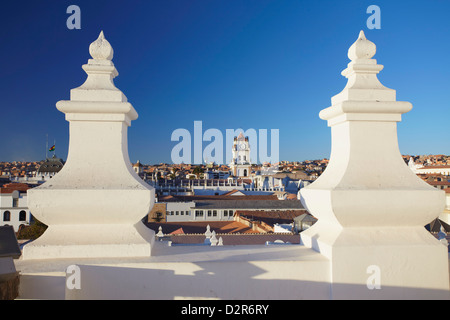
x=231, y=192
x=178, y=231
x=199, y=227
x=439, y=183
x=291, y=196
x=10, y=187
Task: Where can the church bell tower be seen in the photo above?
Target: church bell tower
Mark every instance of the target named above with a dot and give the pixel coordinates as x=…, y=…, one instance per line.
x=240, y=164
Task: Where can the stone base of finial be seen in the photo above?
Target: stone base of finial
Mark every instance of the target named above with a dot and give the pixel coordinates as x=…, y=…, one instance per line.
x=92, y=241
x=382, y=262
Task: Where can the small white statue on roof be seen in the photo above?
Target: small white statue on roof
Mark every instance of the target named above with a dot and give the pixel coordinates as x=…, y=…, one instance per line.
x=213, y=239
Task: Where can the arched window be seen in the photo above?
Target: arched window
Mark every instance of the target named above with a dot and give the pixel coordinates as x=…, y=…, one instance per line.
x=22, y=215
x=245, y=172
x=6, y=216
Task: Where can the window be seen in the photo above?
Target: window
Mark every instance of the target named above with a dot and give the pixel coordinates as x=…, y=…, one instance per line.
x=176, y=212
x=198, y=213
x=6, y=216
x=182, y=213
x=225, y=213
x=22, y=216
x=214, y=213
x=15, y=203
x=209, y=213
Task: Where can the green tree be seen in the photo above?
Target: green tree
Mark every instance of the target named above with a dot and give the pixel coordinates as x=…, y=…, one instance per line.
x=198, y=170
x=33, y=231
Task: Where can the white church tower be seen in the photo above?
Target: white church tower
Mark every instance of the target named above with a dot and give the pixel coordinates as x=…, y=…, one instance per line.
x=240, y=164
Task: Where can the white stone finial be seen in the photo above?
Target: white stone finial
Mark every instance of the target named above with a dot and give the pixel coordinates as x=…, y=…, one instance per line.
x=99, y=85
x=208, y=232
x=363, y=84
x=367, y=193
x=213, y=239
x=94, y=191
x=362, y=48
x=101, y=49
x=160, y=233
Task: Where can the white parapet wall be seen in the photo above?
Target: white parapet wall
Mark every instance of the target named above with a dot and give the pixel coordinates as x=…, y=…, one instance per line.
x=183, y=272
x=369, y=241
x=254, y=272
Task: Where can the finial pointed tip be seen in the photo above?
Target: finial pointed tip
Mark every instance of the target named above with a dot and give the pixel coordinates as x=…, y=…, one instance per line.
x=100, y=49
x=362, y=48
x=362, y=35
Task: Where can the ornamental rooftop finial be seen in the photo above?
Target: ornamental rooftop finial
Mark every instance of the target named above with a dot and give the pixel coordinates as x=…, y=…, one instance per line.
x=363, y=84
x=94, y=206
x=371, y=208
x=362, y=48
x=101, y=49
x=99, y=85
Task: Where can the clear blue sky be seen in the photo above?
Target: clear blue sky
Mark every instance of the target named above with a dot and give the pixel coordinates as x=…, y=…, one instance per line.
x=230, y=63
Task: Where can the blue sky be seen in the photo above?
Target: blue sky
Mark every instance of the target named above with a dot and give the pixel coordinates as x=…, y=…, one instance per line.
x=231, y=64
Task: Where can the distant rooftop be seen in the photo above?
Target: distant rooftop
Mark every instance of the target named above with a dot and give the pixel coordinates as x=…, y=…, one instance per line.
x=249, y=204
x=199, y=227
x=10, y=187
x=241, y=239
x=51, y=165
x=187, y=198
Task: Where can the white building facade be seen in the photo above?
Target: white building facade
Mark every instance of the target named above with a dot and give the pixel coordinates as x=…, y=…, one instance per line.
x=179, y=211
x=421, y=169
x=13, y=209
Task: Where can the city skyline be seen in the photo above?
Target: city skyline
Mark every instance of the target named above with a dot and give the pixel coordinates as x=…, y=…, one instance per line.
x=245, y=64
